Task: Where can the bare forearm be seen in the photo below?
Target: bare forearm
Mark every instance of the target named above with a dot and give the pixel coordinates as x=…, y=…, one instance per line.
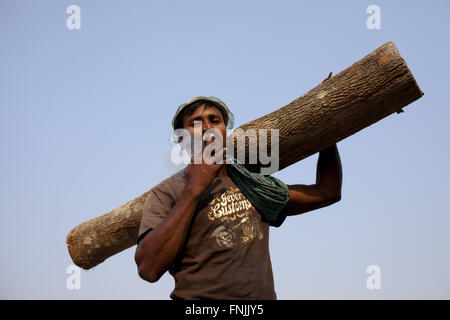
x=329, y=170
x=158, y=250
x=326, y=190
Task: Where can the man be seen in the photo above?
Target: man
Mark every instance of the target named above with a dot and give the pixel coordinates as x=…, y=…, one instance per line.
x=198, y=225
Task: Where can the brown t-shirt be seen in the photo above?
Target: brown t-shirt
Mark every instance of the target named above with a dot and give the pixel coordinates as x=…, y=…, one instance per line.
x=226, y=253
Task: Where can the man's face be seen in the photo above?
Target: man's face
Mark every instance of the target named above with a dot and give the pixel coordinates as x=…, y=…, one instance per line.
x=209, y=117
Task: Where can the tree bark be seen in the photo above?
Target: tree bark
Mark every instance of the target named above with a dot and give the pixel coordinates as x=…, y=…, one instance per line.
x=95, y=240
x=369, y=90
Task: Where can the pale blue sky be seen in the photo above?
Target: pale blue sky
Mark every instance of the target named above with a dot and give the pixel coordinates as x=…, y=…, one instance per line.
x=85, y=123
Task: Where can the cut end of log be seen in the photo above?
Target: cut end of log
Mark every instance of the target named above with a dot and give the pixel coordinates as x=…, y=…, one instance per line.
x=95, y=240
x=391, y=46
x=76, y=250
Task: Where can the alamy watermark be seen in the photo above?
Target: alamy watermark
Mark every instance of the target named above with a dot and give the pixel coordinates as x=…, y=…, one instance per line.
x=374, y=280
x=206, y=147
x=73, y=281
x=74, y=20
x=374, y=20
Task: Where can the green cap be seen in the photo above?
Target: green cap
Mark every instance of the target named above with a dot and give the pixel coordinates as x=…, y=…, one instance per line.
x=227, y=114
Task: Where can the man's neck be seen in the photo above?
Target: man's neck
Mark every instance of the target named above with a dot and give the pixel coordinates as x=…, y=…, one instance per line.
x=223, y=172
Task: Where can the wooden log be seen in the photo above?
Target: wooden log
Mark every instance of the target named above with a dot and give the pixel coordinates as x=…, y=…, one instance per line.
x=95, y=240
x=369, y=90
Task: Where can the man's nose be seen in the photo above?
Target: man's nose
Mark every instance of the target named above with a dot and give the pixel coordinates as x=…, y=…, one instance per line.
x=206, y=126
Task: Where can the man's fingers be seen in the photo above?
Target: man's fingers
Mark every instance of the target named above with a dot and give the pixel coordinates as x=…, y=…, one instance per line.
x=217, y=157
x=221, y=156
x=213, y=157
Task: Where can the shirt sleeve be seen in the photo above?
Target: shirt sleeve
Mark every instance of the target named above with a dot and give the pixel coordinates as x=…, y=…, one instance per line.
x=156, y=208
x=278, y=221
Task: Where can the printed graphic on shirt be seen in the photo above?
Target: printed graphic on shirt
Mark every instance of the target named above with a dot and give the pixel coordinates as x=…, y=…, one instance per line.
x=239, y=224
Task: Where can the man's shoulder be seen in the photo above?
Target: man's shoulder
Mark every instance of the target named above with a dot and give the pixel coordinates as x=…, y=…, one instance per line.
x=172, y=185
x=179, y=176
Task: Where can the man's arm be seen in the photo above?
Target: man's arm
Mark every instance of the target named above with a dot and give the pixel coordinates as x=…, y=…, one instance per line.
x=326, y=190
x=157, y=251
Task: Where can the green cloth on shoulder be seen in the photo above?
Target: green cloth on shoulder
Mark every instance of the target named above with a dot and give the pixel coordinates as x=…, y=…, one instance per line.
x=267, y=194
